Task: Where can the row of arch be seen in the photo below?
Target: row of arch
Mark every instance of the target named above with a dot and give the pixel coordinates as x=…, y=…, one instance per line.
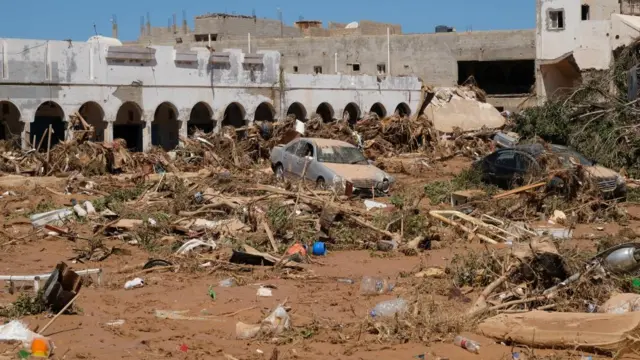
x=165, y=127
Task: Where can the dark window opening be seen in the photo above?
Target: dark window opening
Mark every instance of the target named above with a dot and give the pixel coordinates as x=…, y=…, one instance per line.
x=585, y=12
x=556, y=20
x=317, y=69
x=355, y=67
x=295, y=69
x=499, y=77
x=205, y=37
x=500, y=108
x=382, y=69
x=131, y=134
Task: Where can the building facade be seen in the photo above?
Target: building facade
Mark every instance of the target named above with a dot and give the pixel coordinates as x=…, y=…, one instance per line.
x=152, y=95
x=500, y=62
x=578, y=36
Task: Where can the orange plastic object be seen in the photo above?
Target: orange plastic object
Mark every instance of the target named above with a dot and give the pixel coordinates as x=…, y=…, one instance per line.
x=40, y=348
x=297, y=248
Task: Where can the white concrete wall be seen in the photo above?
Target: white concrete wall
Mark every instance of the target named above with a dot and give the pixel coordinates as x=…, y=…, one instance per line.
x=593, y=50
x=552, y=43
x=72, y=73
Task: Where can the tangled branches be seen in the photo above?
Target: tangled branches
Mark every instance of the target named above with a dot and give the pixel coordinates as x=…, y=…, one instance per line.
x=595, y=120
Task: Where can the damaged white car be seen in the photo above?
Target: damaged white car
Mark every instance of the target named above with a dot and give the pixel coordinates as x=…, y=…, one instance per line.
x=330, y=164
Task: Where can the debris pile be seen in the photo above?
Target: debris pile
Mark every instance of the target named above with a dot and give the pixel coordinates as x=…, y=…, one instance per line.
x=591, y=118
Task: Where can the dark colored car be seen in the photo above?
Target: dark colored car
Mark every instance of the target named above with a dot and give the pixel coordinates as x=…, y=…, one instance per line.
x=508, y=167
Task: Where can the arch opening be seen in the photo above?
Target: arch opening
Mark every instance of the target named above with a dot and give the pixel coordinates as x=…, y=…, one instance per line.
x=351, y=113
x=265, y=112
x=165, y=129
x=129, y=125
x=379, y=110
x=403, y=110
x=48, y=114
x=325, y=111
x=234, y=115
x=93, y=114
x=10, y=125
x=298, y=111
x=201, y=118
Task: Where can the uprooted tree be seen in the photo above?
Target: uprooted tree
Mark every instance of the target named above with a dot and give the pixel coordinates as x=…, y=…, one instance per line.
x=596, y=118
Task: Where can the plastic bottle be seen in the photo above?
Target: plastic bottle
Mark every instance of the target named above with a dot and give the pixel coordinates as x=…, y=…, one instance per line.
x=135, y=283
x=89, y=206
x=373, y=286
x=346, y=281
x=79, y=210
x=228, y=282
x=468, y=344
x=389, y=308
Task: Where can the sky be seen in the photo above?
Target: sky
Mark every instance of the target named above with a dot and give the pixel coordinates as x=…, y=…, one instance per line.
x=75, y=19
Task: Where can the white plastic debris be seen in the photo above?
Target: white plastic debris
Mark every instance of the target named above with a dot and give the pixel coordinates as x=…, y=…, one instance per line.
x=264, y=292
x=50, y=217
x=79, y=210
x=370, y=204
x=135, y=283
x=17, y=331
x=89, y=206
x=300, y=127
x=274, y=324
x=194, y=243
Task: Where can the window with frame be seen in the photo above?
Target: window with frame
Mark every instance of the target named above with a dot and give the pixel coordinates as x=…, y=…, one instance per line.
x=556, y=20
x=317, y=69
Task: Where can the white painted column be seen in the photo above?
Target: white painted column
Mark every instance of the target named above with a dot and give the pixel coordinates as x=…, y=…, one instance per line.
x=108, y=132
x=146, y=135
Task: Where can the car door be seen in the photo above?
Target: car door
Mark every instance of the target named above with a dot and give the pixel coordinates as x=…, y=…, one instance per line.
x=504, y=168
x=301, y=157
x=526, y=166
x=289, y=158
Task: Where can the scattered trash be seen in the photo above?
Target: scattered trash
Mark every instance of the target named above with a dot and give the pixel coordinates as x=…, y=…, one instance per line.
x=621, y=304
x=212, y=293
x=432, y=272
x=54, y=217
x=194, y=243
x=467, y=344
x=389, y=308
x=79, y=210
x=179, y=315
x=274, y=324
x=135, y=283
x=387, y=245
x=228, y=282
x=374, y=286
x=346, y=281
x=370, y=204
x=319, y=249
x=118, y=322
x=264, y=292
x=156, y=263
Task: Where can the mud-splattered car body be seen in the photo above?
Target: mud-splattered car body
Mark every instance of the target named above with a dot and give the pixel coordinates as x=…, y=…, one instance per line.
x=330, y=163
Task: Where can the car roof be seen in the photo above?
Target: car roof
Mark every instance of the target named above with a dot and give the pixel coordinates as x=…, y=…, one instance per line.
x=319, y=142
x=537, y=149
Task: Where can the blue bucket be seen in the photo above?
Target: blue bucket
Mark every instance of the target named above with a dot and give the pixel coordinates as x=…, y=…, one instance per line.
x=319, y=249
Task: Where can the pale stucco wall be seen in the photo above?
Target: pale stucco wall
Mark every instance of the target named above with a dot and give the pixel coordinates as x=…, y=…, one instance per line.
x=72, y=73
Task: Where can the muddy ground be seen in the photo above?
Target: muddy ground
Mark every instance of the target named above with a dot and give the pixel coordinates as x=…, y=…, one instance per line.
x=329, y=317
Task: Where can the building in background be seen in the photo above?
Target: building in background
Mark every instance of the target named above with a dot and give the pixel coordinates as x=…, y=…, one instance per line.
x=577, y=37
x=500, y=62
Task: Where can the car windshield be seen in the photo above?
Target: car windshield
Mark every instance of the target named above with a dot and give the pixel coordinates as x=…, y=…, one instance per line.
x=340, y=155
x=566, y=154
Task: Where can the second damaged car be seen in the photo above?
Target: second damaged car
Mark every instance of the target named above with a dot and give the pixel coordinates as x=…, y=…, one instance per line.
x=330, y=164
x=508, y=167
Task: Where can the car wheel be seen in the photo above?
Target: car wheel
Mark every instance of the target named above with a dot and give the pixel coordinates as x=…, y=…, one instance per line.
x=321, y=184
x=279, y=171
